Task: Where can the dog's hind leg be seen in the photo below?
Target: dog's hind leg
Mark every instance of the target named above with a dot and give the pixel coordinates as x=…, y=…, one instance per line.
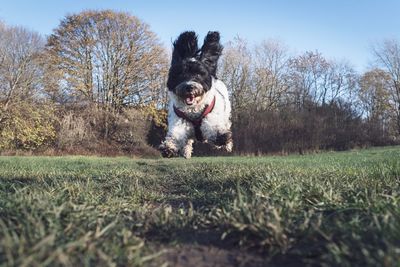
x=224, y=141
x=188, y=149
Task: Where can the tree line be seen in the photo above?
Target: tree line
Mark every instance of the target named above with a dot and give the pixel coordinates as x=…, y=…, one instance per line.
x=296, y=103
x=97, y=85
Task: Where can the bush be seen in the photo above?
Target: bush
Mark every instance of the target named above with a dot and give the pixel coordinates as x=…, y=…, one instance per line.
x=287, y=130
x=91, y=130
x=74, y=131
x=28, y=126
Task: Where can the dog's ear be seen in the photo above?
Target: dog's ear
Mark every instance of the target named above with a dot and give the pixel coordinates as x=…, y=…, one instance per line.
x=185, y=46
x=211, y=51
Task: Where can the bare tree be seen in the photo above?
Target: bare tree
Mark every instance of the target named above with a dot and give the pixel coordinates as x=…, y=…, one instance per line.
x=270, y=73
x=235, y=71
x=342, y=83
x=20, y=71
x=108, y=58
x=314, y=79
x=26, y=119
x=2, y=52
x=374, y=95
x=387, y=55
x=374, y=92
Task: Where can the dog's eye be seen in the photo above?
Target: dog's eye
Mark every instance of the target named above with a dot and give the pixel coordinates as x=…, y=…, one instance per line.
x=202, y=74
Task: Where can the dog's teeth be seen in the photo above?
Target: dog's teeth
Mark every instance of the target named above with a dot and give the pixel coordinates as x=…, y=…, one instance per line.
x=189, y=100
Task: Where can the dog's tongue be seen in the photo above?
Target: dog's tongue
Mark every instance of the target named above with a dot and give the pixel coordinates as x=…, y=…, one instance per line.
x=189, y=100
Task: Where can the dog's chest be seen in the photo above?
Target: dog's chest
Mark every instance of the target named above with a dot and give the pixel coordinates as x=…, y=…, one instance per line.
x=193, y=112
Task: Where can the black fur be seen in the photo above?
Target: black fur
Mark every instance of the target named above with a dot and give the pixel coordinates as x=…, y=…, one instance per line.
x=191, y=64
x=211, y=51
x=185, y=47
x=223, y=139
x=168, y=152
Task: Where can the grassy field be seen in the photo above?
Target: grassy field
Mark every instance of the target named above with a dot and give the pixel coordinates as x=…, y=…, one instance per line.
x=329, y=209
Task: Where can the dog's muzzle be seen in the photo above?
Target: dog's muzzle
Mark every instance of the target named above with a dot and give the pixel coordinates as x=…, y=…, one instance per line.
x=189, y=90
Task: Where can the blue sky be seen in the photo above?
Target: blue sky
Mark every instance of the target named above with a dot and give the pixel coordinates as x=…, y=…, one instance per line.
x=340, y=29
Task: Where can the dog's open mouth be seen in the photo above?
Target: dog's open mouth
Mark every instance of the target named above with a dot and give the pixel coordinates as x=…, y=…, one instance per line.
x=189, y=99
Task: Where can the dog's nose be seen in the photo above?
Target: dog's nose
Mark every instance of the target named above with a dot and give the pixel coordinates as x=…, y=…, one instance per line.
x=189, y=87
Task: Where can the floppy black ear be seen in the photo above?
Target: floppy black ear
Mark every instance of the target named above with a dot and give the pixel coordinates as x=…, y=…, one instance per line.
x=185, y=46
x=211, y=51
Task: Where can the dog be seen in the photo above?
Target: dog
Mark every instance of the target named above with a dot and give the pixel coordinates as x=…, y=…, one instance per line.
x=199, y=106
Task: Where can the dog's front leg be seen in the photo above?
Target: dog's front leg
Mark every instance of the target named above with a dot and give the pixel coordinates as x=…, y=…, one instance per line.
x=168, y=148
x=176, y=141
x=187, y=150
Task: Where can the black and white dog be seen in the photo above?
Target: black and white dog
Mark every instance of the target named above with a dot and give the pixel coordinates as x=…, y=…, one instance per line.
x=199, y=106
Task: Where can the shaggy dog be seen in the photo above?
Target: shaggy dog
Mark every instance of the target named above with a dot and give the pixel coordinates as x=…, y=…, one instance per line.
x=199, y=104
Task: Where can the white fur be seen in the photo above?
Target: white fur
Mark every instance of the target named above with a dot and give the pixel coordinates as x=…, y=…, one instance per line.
x=180, y=134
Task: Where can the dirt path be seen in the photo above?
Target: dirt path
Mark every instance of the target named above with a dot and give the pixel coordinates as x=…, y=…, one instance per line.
x=210, y=256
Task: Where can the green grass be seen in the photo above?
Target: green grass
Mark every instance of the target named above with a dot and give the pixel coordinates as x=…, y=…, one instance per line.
x=328, y=209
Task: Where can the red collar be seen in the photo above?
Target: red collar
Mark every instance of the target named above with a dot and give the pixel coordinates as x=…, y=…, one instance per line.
x=196, y=122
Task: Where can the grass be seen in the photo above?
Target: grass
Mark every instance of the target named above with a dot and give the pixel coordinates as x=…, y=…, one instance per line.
x=328, y=209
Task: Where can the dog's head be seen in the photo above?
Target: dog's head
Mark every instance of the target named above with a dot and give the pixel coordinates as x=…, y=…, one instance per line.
x=193, y=69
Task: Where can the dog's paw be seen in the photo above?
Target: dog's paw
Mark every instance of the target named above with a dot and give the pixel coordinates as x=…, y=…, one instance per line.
x=167, y=152
x=229, y=146
x=224, y=141
x=187, y=150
